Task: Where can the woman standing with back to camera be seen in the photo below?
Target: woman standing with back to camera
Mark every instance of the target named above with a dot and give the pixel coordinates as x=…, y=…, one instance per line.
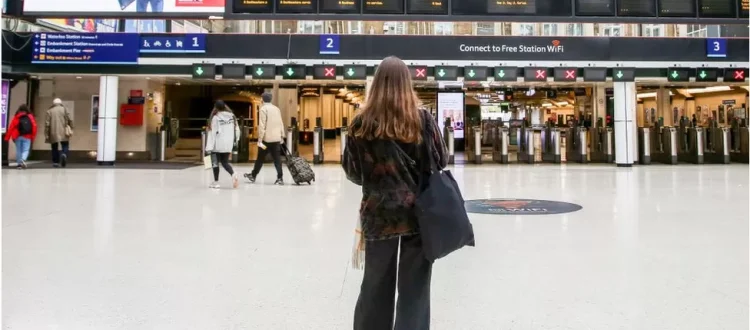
x=386, y=136
x=223, y=133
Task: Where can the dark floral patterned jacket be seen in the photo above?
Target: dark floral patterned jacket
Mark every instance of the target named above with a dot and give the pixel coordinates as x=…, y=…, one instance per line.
x=389, y=181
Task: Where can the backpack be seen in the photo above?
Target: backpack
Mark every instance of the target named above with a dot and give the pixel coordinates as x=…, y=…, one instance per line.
x=25, y=126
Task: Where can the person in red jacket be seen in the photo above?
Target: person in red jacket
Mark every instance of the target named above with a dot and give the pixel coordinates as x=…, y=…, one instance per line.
x=22, y=130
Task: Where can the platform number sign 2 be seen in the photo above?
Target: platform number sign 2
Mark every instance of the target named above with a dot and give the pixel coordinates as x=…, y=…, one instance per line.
x=329, y=44
x=716, y=47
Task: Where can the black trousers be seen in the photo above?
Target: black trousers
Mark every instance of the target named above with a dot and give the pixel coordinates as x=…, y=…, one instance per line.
x=385, y=270
x=223, y=159
x=275, y=149
x=65, y=145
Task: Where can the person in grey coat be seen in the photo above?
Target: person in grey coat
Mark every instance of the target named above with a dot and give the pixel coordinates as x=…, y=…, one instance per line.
x=58, y=128
x=221, y=136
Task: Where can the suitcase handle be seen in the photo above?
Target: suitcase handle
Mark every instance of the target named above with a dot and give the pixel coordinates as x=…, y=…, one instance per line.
x=287, y=154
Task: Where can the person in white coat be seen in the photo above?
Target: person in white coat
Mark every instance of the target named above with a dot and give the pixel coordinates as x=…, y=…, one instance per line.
x=221, y=135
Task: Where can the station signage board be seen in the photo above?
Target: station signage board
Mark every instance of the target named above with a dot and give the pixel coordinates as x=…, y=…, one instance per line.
x=189, y=43
x=678, y=74
x=263, y=71
x=418, y=72
x=325, y=72
x=535, y=74
x=735, y=75
x=204, y=71
x=233, y=71
x=594, y=74
x=355, y=72
x=565, y=74
x=85, y=48
x=293, y=71
x=475, y=73
x=706, y=74
x=506, y=73
x=446, y=73
x=623, y=74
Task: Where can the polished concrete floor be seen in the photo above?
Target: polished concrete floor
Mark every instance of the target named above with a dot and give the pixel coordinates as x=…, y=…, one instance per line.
x=656, y=247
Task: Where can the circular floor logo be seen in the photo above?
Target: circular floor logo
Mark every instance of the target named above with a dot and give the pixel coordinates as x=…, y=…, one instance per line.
x=506, y=206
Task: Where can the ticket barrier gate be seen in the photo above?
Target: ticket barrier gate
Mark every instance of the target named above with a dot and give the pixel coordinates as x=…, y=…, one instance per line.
x=500, y=145
x=646, y=143
x=318, y=156
x=717, y=145
x=343, y=135
x=602, y=145
x=526, y=145
x=551, y=141
x=292, y=138
x=474, y=152
x=739, y=151
x=666, y=146
x=576, y=147
x=691, y=145
x=450, y=143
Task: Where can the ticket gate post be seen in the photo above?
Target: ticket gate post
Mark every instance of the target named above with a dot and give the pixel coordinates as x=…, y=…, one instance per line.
x=717, y=145
x=450, y=144
x=318, y=137
x=477, y=144
x=526, y=145
x=645, y=145
x=344, y=135
x=203, y=142
x=739, y=152
x=602, y=145
x=500, y=145
x=668, y=152
x=292, y=138
x=551, y=151
x=691, y=150
x=576, y=145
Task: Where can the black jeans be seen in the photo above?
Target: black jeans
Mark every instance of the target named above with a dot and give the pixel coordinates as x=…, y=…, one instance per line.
x=374, y=309
x=275, y=149
x=222, y=158
x=56, y=152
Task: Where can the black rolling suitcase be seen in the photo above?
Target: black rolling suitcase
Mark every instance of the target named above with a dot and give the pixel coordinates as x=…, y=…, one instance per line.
x=299, y=168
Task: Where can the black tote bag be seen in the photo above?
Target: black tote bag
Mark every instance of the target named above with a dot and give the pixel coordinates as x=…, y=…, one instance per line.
x=443, y=222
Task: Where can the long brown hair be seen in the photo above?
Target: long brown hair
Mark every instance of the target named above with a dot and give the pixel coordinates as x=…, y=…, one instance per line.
x=392, y=108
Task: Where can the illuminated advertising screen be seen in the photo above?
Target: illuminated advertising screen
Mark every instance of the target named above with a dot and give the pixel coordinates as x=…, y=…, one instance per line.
x=120, y=7
x=451, y=105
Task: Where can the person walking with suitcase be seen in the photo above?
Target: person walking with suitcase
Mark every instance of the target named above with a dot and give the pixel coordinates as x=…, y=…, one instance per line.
x=390, y=141
x=22, y=130
x=222, y=135
x=270, y=137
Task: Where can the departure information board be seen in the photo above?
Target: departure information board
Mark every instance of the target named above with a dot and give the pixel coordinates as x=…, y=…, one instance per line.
x=524, y=7
x=340, y=6
x=253, y=6
x=744, y=8
x=438, y=7
x=595, y=7
x=717, y=8
x=641, y=8
x=296, y=6
x=512, y=7
x=676, y=8
x=383, y=7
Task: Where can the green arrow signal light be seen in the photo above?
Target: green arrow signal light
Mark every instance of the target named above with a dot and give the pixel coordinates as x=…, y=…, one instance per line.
x=472, y=73
x=441, y=73
x=350, y=72
x=290, y=72
x=675, y=74
x=619, y=74
x=259, y=72
x=703, y=75
x=501, y=73
x=199, y=71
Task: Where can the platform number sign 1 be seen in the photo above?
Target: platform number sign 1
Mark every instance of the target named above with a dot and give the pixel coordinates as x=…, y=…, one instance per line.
x=330, y=44
x=716, y=47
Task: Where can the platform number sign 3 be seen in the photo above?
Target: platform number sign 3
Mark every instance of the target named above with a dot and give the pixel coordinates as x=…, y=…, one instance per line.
x=716, y=47
x=330, y=44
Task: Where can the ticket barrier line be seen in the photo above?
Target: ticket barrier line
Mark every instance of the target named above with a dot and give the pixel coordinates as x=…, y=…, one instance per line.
x=716, y=142
x=690, y=145
x=576, y=146
x=474, y=152
x=665, y=150
x=500, y=145
x=739, y=150
x=526, y=145
x=602, y=145
x=551, y=141
x=646, y=142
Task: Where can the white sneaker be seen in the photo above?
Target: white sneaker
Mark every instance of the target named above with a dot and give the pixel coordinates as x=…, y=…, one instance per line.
x=214, y=185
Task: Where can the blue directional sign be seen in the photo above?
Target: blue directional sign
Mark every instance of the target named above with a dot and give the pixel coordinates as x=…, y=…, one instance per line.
x=85, y=48
x=330, y=44
x=188, y=43
x=716, y=47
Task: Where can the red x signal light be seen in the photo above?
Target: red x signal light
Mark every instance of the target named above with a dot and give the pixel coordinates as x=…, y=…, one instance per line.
x=330, y=72
x=541, y=74
x=739, y=74
x=570, y=74
x=421, y=73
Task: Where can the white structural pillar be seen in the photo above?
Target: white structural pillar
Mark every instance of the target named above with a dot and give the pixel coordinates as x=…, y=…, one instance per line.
x=108, y=109
x=625, y=130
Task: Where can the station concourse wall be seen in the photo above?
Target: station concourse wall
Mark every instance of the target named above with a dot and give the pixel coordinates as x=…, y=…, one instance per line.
x=132, y=142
